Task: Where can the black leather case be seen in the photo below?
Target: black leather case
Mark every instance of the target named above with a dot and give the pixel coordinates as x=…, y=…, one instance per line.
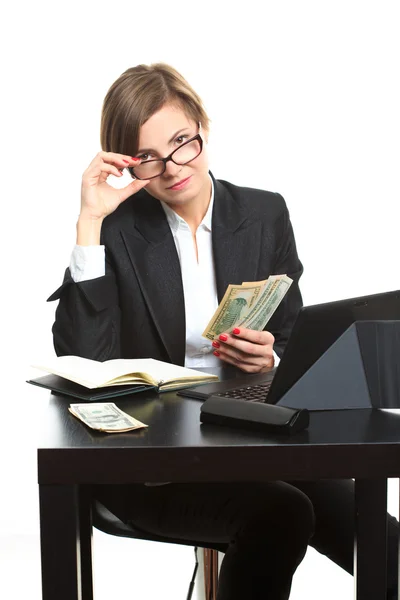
x=254, y=415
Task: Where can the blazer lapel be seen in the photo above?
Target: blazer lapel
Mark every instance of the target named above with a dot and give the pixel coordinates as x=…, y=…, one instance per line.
x=236, y=241
x=153, y=255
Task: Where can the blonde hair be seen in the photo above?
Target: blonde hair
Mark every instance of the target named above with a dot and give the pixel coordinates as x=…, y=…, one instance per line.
x=135, y=96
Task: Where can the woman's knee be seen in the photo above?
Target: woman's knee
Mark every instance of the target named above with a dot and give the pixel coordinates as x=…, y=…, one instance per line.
x=286, y=510
x=298, y=511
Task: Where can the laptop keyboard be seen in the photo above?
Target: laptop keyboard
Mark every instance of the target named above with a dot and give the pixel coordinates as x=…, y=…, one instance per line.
x=251, y=393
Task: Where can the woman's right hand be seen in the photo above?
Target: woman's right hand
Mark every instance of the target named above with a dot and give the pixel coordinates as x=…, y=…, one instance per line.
x=98, y=198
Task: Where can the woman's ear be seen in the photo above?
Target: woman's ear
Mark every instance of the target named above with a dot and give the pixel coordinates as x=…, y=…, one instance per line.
x=204, y=133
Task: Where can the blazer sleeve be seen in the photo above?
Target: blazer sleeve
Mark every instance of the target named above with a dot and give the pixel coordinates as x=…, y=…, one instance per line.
x=88, y=317
x=286, y=262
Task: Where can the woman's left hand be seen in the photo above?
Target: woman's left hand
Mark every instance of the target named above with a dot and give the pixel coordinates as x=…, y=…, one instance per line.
x=251, y=351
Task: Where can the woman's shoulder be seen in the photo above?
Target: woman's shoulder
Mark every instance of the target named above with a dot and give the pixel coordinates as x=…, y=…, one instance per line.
x=253, y=199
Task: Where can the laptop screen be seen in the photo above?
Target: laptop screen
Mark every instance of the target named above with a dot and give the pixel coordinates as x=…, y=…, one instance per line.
x=317, y=327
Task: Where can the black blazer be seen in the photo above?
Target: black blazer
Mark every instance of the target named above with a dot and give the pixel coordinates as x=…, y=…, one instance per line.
x=137, y=309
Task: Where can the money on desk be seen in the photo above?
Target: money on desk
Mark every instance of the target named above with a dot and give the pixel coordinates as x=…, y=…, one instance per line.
x=105, y=417
x=250, y=305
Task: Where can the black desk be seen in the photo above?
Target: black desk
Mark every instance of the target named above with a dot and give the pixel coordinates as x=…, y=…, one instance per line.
x=360, y=444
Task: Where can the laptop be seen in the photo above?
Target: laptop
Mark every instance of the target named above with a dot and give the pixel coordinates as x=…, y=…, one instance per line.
x=316, y=329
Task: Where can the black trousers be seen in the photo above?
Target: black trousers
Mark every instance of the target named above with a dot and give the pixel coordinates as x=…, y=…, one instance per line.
x=263, y=528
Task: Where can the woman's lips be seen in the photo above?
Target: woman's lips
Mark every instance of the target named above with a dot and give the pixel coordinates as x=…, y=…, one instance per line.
x=180, y=185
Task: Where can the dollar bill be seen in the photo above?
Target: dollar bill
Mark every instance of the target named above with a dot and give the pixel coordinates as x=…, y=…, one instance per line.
x=237, y=302
x=249, y=305
x=105, y=416
x=267, y=305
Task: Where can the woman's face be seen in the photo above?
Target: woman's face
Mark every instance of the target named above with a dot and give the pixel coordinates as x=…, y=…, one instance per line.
x=165, y=131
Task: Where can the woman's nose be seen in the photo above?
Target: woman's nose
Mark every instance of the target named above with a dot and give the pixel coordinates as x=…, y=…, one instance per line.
x=171, y=169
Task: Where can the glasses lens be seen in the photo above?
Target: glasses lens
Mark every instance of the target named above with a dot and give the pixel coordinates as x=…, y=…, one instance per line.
x=147, y=170
x=153, y=168
x=187, y=152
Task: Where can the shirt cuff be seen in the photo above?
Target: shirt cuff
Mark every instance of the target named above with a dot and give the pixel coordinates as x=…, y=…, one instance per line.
x=87, y=262
x=277, y=360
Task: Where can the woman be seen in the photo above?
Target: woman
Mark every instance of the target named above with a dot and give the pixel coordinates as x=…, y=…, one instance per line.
x=152, y=261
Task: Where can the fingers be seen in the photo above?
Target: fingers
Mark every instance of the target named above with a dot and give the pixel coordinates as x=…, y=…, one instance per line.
x=248, y=341
x=103, y=171
x=251, y=351
x=98, y=198
x=256, y=337
x=253, y=364
x=108, y=163
x=253, y=355
x=132, y=188
x=113, y=158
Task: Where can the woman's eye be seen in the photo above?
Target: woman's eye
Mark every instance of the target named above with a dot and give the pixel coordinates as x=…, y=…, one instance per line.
x=144, y=157
x=181, y=139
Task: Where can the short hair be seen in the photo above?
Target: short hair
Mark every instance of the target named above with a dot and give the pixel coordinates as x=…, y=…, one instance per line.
x=135, y=96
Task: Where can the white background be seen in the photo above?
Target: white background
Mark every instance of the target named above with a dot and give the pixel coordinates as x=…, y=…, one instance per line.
x=304, y=100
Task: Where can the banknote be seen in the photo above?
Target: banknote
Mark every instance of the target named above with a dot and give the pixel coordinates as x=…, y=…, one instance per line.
x=267, y=304
x=237, y=302
x=249, y=305
x=105, y=416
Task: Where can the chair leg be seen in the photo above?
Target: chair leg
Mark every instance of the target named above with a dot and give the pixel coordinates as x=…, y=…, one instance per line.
x=210, y=573
x=192, y=582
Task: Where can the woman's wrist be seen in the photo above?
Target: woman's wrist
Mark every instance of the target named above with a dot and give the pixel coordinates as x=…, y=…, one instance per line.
x=88, y=231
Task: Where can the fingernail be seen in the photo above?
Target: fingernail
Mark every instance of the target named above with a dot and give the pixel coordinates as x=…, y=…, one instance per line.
x=134, y=158
x=223, y=337
x=236, y=331
x=125, y=161
x=216, y=353
x=216, y=344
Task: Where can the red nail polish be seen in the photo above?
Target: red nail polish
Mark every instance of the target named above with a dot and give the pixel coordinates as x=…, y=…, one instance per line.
x=223, y=337
x=216, y=353
x=216, y=344
x=134, y=158
x=125, y=161
x=236, y=331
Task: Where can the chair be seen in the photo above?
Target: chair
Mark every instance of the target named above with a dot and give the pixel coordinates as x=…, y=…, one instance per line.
x=106, y=521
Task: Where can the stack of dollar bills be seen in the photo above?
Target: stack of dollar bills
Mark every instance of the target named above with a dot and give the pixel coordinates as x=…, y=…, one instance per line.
x=105, y=417
x=250, y=305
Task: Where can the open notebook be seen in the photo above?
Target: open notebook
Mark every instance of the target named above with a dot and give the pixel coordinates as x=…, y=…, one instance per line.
x=91, y=379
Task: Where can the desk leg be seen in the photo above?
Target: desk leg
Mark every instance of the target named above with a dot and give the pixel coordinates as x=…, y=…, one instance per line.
x=371, y=539
x=65, y=534
x=86, y=539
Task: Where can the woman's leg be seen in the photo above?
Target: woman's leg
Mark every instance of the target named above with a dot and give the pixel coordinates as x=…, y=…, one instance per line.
x=334, y=509
x=266, y=528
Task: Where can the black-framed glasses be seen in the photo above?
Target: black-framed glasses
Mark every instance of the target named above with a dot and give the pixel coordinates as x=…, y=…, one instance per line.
x=183, y=155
